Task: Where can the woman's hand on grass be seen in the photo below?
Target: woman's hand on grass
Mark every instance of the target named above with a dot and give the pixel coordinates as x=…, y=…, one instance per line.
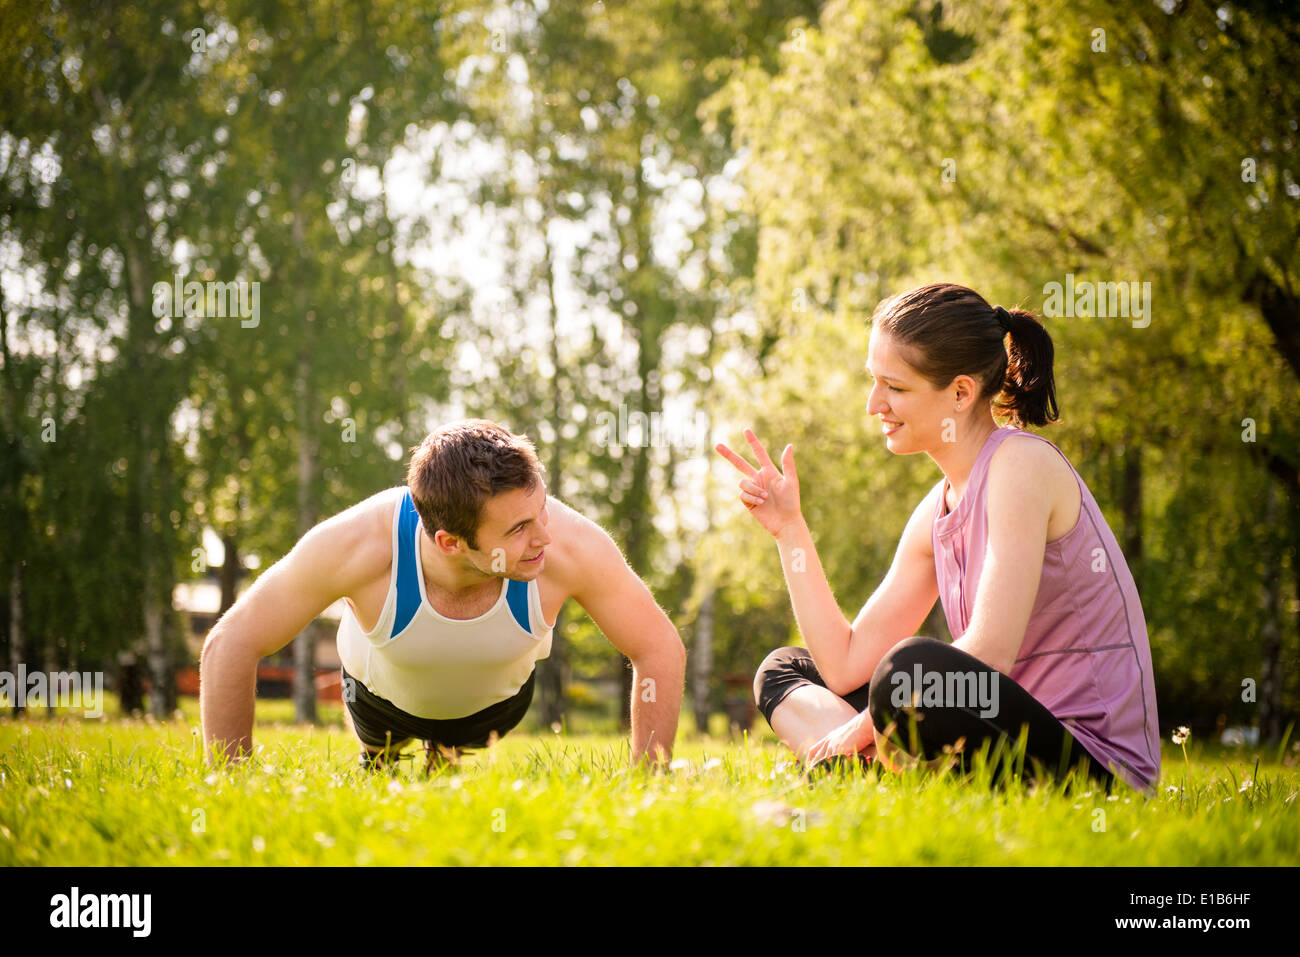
x=770, y=494
x=853, y=737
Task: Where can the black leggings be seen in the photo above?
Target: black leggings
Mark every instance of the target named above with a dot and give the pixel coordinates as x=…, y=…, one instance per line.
x=952, y=696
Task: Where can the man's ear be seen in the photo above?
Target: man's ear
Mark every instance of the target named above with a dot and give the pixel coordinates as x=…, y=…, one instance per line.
x=448, y=543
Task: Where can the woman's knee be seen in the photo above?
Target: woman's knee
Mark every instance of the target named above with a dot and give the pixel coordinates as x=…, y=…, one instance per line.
x=776, y=666
x=899, y=660
x=903, y=657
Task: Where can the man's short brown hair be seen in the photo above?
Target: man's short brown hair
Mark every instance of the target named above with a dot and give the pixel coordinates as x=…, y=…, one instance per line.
x=459, y=466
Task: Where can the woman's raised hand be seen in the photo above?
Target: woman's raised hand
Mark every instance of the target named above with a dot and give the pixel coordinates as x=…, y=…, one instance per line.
x=772, y=496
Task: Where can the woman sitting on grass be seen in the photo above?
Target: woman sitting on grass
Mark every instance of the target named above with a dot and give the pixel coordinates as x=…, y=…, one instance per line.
x=1050, y=640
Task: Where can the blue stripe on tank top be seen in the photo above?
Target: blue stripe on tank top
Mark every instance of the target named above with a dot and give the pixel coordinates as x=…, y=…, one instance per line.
x=517, y=597
x=408, y=586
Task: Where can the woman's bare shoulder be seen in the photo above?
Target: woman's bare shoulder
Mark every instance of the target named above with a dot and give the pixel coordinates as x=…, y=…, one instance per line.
x=1042, y=457
x=1041, y=464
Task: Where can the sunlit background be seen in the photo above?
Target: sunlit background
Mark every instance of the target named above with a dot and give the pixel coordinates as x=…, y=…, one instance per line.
x=675, y=215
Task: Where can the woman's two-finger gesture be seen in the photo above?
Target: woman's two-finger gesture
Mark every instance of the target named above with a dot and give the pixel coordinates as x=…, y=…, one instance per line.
x=771, y=495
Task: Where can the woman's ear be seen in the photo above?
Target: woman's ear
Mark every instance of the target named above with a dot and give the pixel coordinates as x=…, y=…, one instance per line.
x=964, y=389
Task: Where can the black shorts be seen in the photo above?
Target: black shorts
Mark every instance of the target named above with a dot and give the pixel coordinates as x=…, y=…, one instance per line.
x=380, y=723
x=944, y=723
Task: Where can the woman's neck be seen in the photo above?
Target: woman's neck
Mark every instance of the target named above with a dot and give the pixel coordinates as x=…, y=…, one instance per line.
x=958, y=458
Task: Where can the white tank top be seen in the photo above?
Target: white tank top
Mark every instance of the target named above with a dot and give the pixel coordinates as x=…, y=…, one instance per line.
x=437, y=667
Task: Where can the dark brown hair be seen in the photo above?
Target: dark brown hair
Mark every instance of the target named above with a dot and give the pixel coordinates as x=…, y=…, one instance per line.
x=459, y=466
x=946, y=330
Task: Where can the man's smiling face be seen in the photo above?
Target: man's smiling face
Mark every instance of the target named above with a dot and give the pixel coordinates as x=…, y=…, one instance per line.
x=512, y=536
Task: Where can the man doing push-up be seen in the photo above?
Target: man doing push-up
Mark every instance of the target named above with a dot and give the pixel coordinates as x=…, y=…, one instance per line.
x=453, y=583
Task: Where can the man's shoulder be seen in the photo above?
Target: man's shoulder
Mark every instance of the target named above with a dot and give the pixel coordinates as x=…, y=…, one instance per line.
x=373, y=516
x=579, y=546
x=564, y=517
x=362, y=534
x=573, y=533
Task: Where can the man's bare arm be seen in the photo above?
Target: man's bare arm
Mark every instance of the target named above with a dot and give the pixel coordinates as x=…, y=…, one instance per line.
x=627, y=614
x=325, y=565
x=657, y=680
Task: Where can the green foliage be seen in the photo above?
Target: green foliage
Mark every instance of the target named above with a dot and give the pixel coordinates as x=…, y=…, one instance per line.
x=696, y=205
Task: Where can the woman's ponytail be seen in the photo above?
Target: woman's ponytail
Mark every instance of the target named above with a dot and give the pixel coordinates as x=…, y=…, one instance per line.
x=1028, y=393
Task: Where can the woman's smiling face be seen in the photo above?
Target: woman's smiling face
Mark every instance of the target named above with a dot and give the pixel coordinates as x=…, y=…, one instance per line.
x=911, y=411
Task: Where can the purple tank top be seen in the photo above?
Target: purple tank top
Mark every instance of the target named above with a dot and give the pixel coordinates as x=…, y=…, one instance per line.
x=1085, y=656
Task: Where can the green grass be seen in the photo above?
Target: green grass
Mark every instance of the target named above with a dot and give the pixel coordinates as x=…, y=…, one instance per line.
x=136, y=792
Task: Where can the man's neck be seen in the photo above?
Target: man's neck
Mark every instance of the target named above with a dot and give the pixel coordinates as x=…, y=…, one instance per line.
x=450, y=576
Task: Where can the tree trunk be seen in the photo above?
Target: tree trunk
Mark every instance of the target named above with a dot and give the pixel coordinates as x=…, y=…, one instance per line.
x=1131, y=505
x=1294, y=501
x=638, y=499
x=16, y=524
x=15, y=520
x=304, y=646
x=17, y=641
x=229, y=570
x=550, y=670
x=163, y=644
x=130, y=684
x=646, y=324
x=160, y=675
x=702, y=661
x=1281, y=311
x=149, y=483
x=1270, y=678
x=401, y=336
